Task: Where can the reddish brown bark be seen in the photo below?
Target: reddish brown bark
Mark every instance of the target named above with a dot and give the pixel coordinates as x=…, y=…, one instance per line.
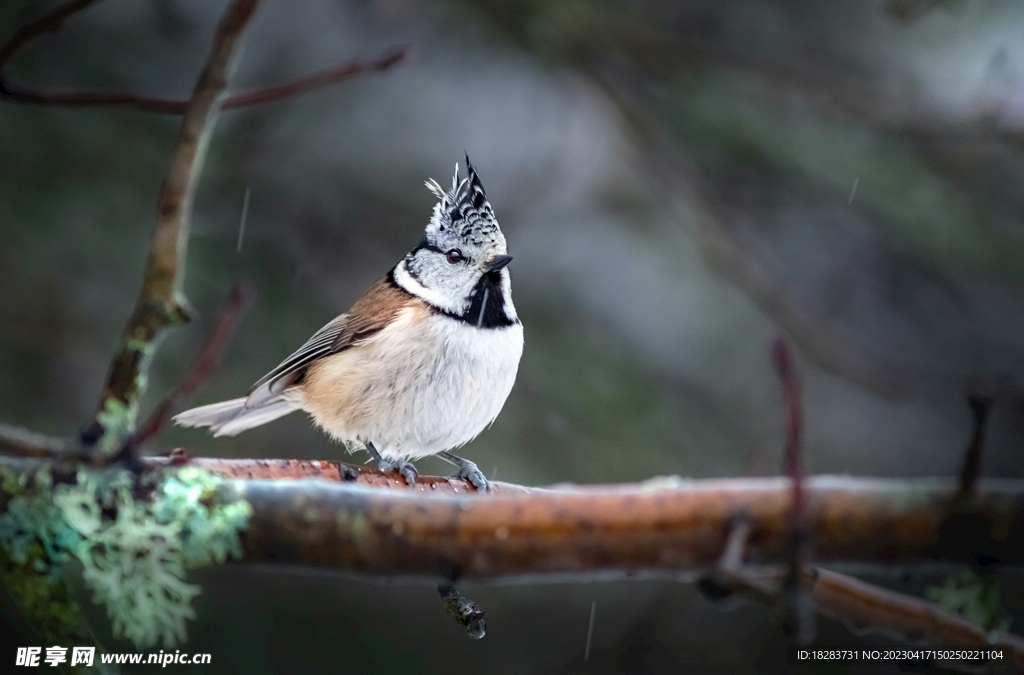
x=444, y=528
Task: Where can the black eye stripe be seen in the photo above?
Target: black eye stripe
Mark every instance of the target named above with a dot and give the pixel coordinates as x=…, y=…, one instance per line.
x=427, y=246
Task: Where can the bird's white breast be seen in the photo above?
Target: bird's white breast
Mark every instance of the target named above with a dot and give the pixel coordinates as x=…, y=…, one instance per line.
x=424, y=384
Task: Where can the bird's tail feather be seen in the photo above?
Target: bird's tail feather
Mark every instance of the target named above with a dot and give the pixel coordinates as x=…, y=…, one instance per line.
x=229, y=418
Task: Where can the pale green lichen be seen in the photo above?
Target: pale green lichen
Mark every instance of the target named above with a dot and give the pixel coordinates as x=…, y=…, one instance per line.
x=35, y=541
x=118, y=421
x=136, y=568
x=135, y=552
x=973, y=596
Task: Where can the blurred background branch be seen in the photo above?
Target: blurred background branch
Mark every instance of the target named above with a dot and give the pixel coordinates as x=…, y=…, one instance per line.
x=50, y=21
x=15, y=92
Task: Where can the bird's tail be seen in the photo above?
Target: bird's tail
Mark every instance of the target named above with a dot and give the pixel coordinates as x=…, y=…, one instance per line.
x=228, y=418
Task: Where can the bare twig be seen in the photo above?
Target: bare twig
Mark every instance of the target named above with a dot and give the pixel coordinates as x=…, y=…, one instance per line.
x=980, y=407
x=18, y=442
x=466, y=612
x=205, y=364
x=868, y=608
x=160, y=303
x=799, y=610
x=783, y=361
x=735, y=549
x=728, y=576
x=861, y=606
x=48, y=22
x=21, y=93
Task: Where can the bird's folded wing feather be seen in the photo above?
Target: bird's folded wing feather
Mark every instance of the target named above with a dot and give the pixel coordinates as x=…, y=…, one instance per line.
x=374, y=310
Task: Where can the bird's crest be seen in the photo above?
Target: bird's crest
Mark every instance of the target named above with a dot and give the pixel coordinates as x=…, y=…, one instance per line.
x=464, y=206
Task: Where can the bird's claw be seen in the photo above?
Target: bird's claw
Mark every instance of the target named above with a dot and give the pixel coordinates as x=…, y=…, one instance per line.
x=471, y=473
x=403, y=468
x=408, y=471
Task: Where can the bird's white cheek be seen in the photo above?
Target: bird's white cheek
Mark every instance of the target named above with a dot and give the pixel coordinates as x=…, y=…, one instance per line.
x=436, y=297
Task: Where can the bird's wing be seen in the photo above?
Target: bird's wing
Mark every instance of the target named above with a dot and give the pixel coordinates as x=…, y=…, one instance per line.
x=284, y=375
x=374, y=310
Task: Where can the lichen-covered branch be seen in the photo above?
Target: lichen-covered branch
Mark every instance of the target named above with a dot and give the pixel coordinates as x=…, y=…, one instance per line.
x=330, y=515
x=16, y=92
x=134, y=535
x=160, y=302
x=356, y=520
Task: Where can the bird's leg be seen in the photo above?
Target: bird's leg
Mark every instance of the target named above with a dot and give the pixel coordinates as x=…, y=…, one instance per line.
x=467, y=470
x=402, y=467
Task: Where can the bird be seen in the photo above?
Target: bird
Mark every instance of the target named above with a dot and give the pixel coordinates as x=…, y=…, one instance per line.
x=420, y=364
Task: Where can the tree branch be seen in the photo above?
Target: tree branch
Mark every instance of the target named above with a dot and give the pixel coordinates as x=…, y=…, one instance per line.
x=442, y=528
x=160, y=304
x=662, y=525
x=360, y=521
x=868, y=608
x=19, y=442
x=21, y=93
x=48, y=22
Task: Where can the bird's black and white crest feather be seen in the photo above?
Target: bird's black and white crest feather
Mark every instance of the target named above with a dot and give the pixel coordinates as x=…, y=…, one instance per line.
x=465, y=209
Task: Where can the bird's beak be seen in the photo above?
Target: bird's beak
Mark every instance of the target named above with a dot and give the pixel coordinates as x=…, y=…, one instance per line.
x=497, y=262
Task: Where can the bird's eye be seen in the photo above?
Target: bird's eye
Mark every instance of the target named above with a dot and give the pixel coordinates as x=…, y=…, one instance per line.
x=454, y=256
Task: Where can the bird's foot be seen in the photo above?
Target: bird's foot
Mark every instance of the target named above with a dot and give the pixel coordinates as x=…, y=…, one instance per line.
x=468, y=471
x=405, y=469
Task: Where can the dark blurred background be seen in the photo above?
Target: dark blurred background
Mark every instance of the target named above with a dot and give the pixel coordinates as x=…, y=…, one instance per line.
x=678, y=181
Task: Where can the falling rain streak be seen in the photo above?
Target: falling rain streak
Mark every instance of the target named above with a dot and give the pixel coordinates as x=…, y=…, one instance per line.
x=241, y=224
x=590, y=630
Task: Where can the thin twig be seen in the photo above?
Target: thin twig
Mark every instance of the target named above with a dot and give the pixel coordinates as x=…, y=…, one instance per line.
x=867, y=608
x=734, y=552
x=728, y=576
x=19, y=442
x=160, y=303
x=48, y=22
x=20, y=93
x=801, y=615
x=980, y=407
x=783, y=361
x=210, y=355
